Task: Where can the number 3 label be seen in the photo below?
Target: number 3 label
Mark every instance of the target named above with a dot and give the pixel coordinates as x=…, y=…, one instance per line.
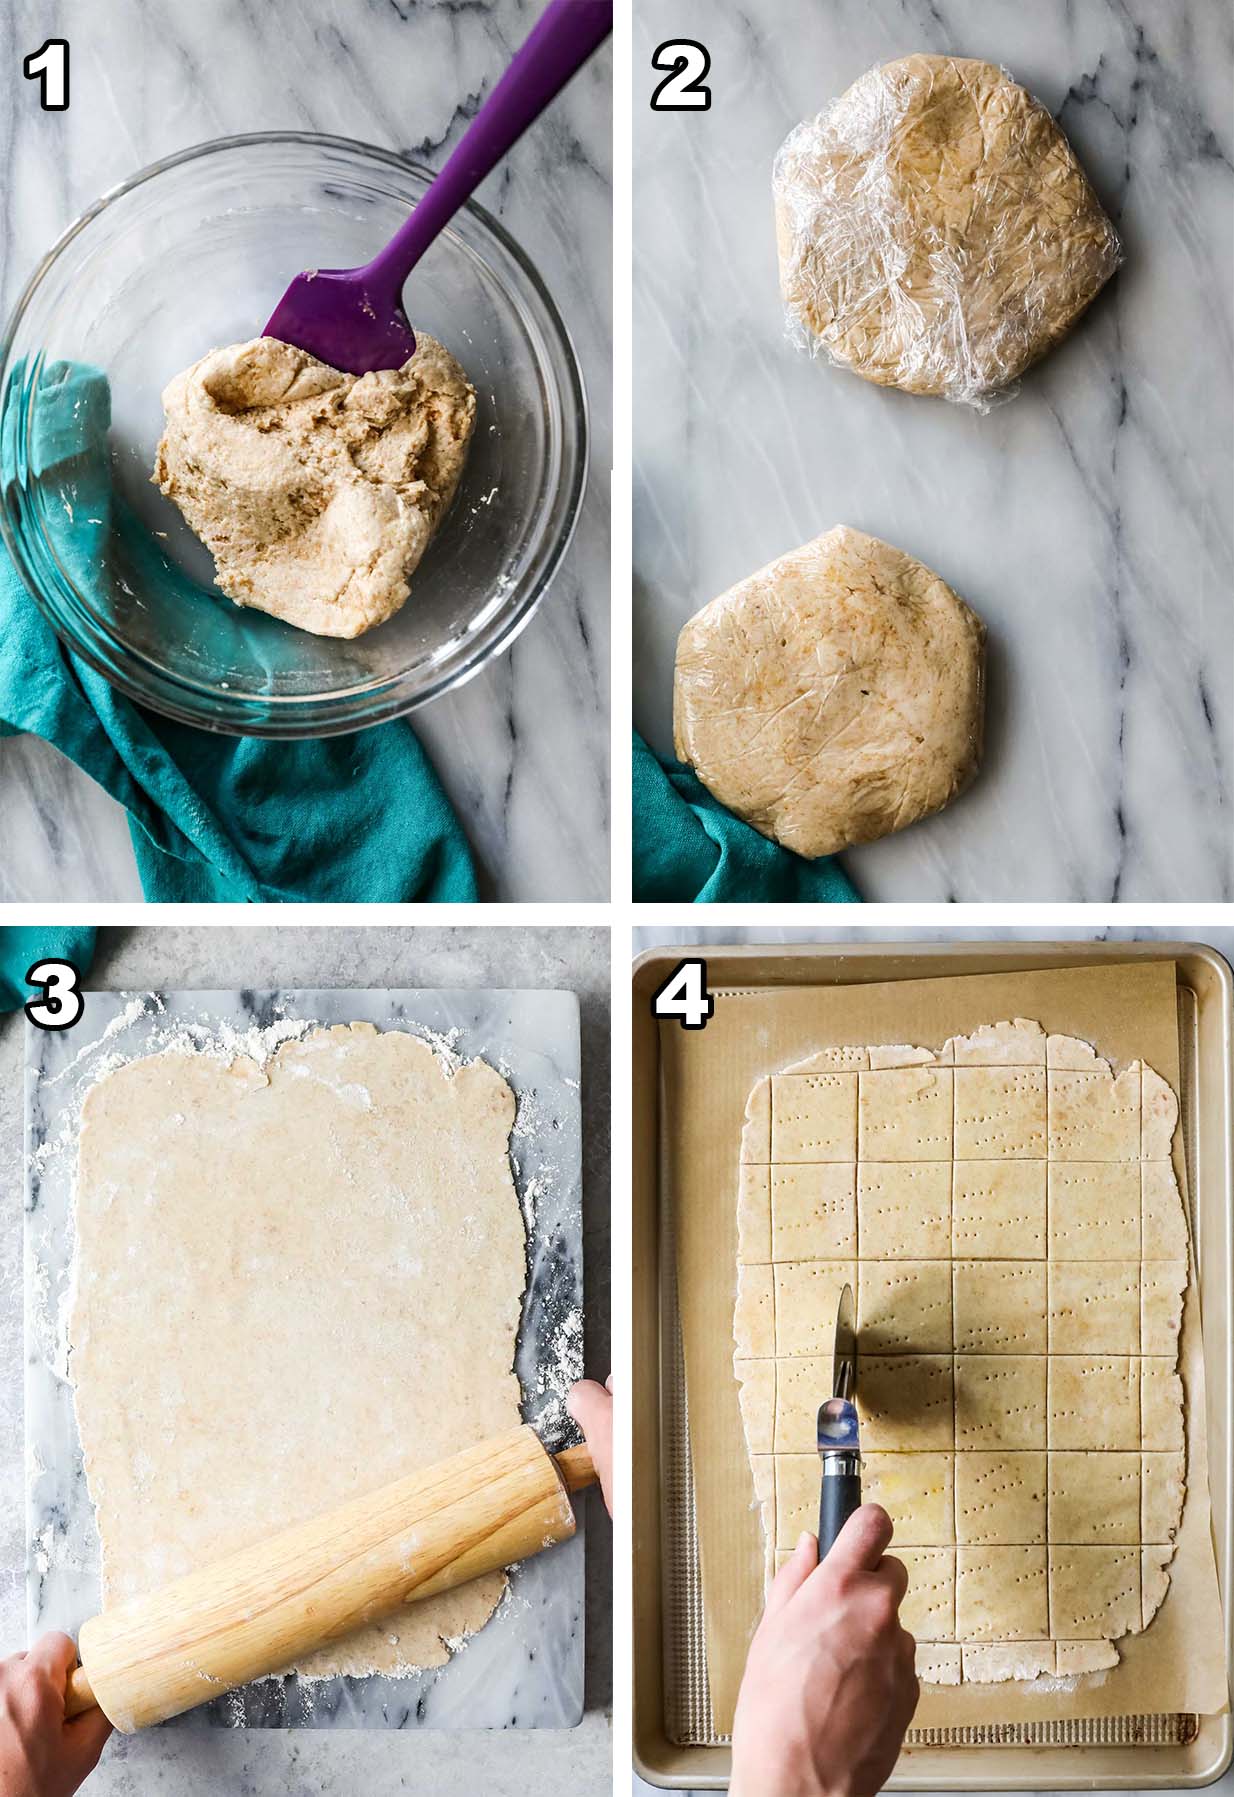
x=59, y=1003
x=682, y=90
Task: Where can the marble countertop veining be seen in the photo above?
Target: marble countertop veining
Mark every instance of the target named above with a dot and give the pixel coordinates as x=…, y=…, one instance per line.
x=202, y=1763
x=1088, y=520
x=523, y=748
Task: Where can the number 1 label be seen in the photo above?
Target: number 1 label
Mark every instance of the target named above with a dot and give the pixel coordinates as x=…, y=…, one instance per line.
x=49, y=66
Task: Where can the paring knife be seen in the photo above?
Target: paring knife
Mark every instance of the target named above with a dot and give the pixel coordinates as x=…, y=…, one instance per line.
x=838, y=1445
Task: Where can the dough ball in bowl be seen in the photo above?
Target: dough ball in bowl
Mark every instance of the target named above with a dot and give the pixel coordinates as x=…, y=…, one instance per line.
x=936, y=232
x=833, y=697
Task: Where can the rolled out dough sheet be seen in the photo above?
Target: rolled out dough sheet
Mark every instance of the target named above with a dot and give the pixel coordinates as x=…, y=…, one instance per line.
x=1007, y=1214
x=293, y=1283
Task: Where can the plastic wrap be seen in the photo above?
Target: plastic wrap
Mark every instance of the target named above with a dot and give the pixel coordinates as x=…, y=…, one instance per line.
x=935, y=230
x=833, y=697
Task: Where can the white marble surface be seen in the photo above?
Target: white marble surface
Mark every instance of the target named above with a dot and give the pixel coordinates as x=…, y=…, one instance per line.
x=650, y=936
x=524, y=1669
x=523, y=748
x=194, y=1762
x=1088, y=521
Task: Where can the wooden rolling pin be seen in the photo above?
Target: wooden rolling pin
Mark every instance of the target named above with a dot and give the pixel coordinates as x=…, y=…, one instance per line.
x=269, y=1605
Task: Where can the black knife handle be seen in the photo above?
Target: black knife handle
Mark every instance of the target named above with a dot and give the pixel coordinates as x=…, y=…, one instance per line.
x=839, y=1497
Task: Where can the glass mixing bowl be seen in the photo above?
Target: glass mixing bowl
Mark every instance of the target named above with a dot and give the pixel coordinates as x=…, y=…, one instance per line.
x=193, y=253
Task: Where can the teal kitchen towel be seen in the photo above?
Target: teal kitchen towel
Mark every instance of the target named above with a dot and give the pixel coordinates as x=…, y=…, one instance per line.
x=688, y=848
x=347, y=819
x=20, y=948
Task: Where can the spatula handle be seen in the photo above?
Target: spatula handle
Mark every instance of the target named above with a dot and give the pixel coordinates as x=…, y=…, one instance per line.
x=839, y=1497
x=567, y=33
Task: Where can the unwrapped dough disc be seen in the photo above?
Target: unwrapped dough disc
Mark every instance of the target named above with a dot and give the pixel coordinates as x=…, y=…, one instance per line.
x=936, y=232
x=833, y=697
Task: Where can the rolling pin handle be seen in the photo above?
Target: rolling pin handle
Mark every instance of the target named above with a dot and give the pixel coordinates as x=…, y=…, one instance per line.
x=78, y=1694
x=576, y=1467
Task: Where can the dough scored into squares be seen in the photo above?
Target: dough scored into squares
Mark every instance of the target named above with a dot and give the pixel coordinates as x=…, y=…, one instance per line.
x=754, y=1216
x=1018, y=1322
x=814, y=1211
x=1001, y=1594
x=905, y=1114
x=814, y=1117
x=1000, y=1113
x=754, y=1319
x=1094, y=1210
x=918, y=1491
x=1000, y=1499
x=998, y=1210
x=999, y=1306
x=904, y=1210
x=904, y=1306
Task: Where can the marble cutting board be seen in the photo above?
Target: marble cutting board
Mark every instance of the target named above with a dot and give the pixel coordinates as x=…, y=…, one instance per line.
x=525, y=1668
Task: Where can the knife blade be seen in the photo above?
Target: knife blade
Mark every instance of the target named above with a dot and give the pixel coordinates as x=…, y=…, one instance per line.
x=839, y=1445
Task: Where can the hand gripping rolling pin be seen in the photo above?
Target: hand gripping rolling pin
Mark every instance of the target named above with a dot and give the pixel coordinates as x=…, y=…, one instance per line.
x=269, y=1605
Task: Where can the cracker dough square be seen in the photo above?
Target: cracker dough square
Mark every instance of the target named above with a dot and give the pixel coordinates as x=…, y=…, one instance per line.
x=905, y=1115
x=998, y=1209
x=1095, y=1499
x=797, y=1495
x=807, y=1295
x=938, y=1663
x=1094, y=1210
x=994, y=1662
x=801, y=1386
x=754, y=1319
x=763, y=1473
x=757, y=1393
x=756, y=1129
x=1164, y=1225
x=814, y=1211
x=904, y=1210
x=1001, y=1594
x=1161, y=1405
x=906, y=1402
x=916, y=1491
x=928, y=1610
x=1094, y=1117
x=1000, y=1499
x=1000, y=1113
x=1095, y=1307
x=1159, y=1116
x=1084, y=1656
x=814, y=1117
x=904, y=1306
x=1163, y=1486
x=754, y=1216
x=1094, y=1592
x=1163, y=1283
x=999, y=1306
x=1000, y=1401
x=1094, y=1402
x=902, y=1054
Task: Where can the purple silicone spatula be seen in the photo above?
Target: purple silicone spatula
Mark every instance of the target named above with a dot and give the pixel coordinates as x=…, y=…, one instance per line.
x=353, y=318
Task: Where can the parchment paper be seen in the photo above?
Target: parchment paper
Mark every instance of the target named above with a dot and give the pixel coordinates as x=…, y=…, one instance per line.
x=1125, y=1012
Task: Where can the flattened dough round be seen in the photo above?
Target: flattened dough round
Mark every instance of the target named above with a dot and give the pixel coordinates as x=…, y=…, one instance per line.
x=935, y=230
x=833, y=697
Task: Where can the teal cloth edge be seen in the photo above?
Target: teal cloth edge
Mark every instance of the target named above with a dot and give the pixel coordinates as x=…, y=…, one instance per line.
x=22, y=945
x=687, y=848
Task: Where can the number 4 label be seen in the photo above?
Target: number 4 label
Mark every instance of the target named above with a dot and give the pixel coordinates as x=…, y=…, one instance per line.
x=59, y=1003
x=682, y=89
x=684, y=995
x=49, y=66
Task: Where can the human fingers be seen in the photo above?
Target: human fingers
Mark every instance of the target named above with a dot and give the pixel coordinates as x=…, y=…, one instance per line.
x=793, y=1574
x=859, y=1545
x=591, y=1406
x=84, y=1740
x=894, y=1575
x=54, y=1653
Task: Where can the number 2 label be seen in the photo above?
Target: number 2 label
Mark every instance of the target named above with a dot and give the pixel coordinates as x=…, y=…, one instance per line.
x=49, y=66
x=682, y=89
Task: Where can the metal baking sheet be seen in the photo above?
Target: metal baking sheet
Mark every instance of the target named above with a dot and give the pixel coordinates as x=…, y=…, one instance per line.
x=524, y=1669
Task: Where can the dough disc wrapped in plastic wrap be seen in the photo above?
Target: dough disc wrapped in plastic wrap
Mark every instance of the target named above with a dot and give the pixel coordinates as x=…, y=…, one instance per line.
x=833, y=697
x=935, y=230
